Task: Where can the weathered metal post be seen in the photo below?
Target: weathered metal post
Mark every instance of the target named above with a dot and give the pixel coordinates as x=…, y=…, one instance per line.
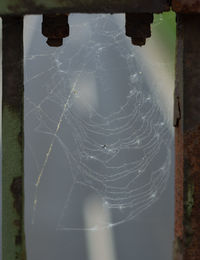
x=187, y=139
x=12, y=140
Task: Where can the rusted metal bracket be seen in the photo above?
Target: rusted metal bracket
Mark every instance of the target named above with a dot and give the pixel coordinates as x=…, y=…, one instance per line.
x=13, y=241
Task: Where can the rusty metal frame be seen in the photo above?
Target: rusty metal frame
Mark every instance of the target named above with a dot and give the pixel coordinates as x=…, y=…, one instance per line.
x=12, y=12
x=186, y=113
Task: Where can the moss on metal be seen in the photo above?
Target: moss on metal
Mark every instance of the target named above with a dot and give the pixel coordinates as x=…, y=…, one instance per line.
x=190, y=199
x=188, y=206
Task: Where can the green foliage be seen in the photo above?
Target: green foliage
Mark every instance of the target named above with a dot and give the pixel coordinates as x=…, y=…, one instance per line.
x=164, y=27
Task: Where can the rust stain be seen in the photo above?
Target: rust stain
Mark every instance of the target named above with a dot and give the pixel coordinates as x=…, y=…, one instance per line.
x=187, y=194
x=179, y=184
x=186, y=6
x=192, y=193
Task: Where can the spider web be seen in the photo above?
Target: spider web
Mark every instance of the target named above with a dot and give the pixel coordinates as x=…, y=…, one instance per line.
x=90, y=100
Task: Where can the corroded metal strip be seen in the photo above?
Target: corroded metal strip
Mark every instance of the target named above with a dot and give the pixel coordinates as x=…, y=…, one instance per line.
x=85, y=6
x=12, y=140
x=187, y=140
x=186, y=6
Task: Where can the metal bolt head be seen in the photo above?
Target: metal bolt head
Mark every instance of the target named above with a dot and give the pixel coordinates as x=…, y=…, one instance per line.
x=138, y=27
x=55, y=28
x=55, y=42
x=138, y=41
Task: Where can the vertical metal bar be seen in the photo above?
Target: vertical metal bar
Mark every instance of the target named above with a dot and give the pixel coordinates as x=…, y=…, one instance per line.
x=187, y=139
x=12, y=140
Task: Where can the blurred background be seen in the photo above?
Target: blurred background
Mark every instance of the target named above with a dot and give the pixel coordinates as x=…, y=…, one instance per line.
x=92, y=106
